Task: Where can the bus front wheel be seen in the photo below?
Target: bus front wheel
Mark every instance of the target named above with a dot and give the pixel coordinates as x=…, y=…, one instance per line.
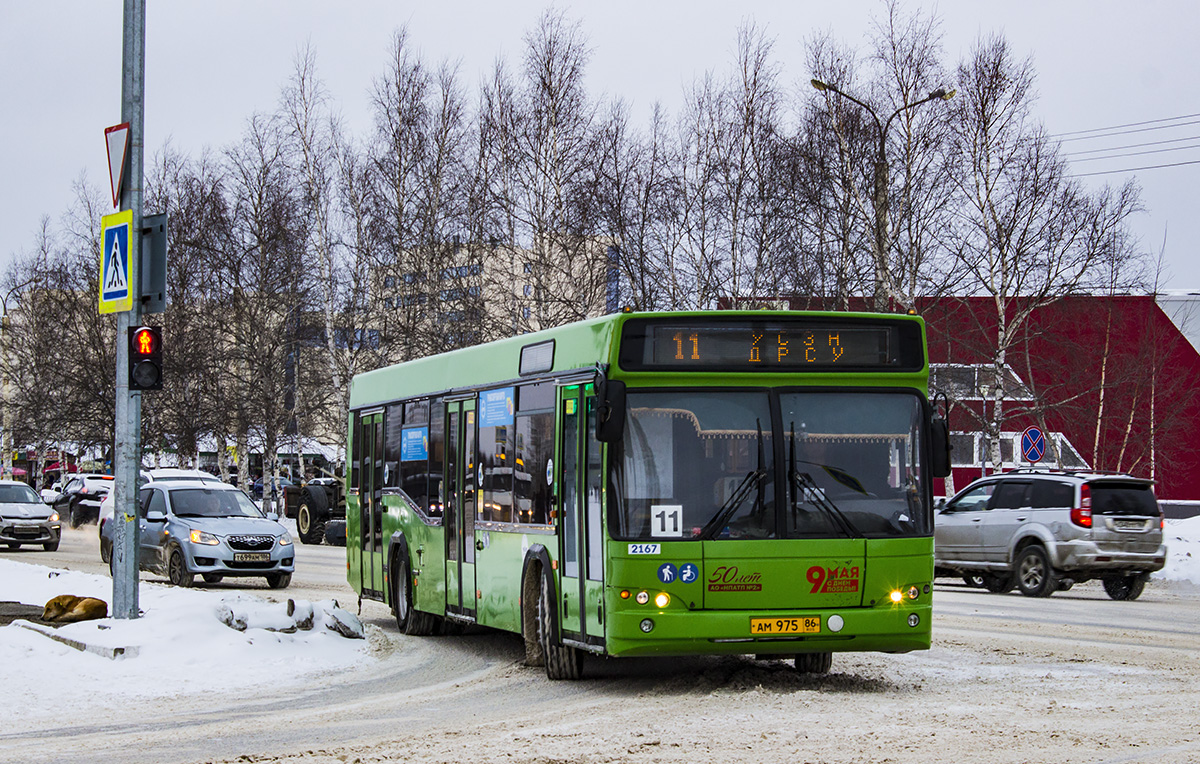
x=530, y=616
x=814, y=663
x=562, y=661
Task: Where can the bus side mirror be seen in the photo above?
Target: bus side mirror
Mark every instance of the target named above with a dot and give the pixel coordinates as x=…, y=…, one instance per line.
x=610, y=410
x=939, y=437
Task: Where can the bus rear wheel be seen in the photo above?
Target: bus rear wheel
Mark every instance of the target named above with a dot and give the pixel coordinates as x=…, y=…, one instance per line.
x=562, y=661
x=814, y=663
x=409, y=620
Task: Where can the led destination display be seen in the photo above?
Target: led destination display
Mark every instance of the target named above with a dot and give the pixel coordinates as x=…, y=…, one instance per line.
x=790, y=344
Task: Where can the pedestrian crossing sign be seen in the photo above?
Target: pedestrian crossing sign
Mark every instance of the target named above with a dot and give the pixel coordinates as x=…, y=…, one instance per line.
x=116, y=293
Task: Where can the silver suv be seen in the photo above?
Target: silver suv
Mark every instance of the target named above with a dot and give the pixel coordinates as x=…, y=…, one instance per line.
x=1042, y=531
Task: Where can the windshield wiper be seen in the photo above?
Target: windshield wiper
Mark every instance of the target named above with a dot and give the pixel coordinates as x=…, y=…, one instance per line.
x=816, y=497
x=803, y=483
x=718, y=521
x=731, y=505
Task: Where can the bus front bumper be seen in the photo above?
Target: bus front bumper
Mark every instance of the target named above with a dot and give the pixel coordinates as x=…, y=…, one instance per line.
x=896, y=628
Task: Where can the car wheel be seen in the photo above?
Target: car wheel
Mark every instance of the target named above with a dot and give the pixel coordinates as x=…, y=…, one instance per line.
x=1124, y=587
x=51, y=546
x=213, y=578
x=975, y=580
x=105, y=551
x=813, y=663
x=1035, y=577
x=177, y=571
x=562, y=661
x=279, y=580
x=75, y=517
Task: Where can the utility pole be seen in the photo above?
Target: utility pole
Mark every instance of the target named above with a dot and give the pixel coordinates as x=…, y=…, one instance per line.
x=879, y=195
x=127, y=455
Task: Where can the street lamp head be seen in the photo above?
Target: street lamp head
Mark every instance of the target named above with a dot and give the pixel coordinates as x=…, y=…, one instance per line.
x=943, y=94
x=819, y=85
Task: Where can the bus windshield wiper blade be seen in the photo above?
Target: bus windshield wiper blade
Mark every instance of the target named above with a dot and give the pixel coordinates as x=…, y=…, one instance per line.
x=731, y=505
x=804, y=483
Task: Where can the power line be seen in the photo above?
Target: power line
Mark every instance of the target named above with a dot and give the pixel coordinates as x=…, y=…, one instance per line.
x=1131, y=146
x=1129, y=132
x=1121, y=127
x=1134, y=169
x=1138, y=153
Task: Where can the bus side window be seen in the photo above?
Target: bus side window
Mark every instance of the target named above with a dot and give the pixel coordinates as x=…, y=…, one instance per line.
x=531, y=484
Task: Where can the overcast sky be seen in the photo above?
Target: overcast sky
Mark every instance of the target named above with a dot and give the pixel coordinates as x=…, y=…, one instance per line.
x=210, y=64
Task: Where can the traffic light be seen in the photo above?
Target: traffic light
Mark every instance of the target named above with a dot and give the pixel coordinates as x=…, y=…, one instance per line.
x=145, y=358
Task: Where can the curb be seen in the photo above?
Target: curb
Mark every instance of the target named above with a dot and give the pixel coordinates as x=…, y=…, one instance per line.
x=112, y=653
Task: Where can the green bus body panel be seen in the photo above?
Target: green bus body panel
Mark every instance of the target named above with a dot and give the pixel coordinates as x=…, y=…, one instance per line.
x=353, y=534
x=739, y=580
x=498, y=569
x=577, y=346
x=426, y=551
x=690, y=623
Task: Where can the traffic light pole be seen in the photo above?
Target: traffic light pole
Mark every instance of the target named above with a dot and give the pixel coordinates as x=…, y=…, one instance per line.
x=127, y=452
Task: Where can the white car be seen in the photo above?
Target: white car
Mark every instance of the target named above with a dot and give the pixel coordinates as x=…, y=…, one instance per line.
x=165, y=474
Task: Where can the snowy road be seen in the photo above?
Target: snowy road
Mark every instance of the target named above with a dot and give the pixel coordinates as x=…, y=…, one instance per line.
x=1072, y=678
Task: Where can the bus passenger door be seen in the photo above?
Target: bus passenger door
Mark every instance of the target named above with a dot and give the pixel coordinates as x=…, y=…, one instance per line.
x=370, y=498
x=570, y=582
x=461, y=497
x=592, y=514
x=581, y=529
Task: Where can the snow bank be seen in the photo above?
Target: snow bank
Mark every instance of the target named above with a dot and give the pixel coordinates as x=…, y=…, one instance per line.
x=182, y=646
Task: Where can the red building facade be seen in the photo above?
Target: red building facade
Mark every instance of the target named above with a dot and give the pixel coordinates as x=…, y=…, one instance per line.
x=1110, y=380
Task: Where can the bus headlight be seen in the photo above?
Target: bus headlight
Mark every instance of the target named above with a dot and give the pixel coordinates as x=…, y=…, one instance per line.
x=913, y=592
x=661, y=600
x=913, y=619
x=897, y=595
x=647, y=625
x=642, y=597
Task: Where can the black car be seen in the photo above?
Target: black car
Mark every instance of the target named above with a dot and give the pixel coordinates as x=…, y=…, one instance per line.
x=79, y=501
x=256, y=490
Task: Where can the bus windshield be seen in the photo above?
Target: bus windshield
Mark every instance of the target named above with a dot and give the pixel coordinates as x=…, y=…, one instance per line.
x=687, y=456
x=853, y=465
x=701, y=464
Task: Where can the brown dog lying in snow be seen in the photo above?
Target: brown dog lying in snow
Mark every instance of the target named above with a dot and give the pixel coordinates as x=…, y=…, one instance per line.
x=67, y=608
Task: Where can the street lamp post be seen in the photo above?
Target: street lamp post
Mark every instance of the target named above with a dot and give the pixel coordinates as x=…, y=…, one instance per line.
x=879, y=196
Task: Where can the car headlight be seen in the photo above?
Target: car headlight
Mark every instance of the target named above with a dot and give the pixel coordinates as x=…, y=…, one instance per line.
x=54, y=517
x=204, y=537
x=285, y=539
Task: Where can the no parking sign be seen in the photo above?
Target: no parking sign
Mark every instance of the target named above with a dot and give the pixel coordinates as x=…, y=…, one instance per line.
x=1033, y=444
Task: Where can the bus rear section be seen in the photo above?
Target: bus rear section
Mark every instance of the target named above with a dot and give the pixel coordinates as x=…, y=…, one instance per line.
x=782, y=520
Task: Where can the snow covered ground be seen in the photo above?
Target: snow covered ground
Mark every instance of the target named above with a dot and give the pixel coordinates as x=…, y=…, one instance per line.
x=184, y=648
x=180, y=646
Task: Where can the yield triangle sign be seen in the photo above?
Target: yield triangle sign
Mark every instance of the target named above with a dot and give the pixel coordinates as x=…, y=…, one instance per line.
x=117, y=138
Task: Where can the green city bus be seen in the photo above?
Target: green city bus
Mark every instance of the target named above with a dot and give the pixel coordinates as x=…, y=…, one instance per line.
x=647, y=484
